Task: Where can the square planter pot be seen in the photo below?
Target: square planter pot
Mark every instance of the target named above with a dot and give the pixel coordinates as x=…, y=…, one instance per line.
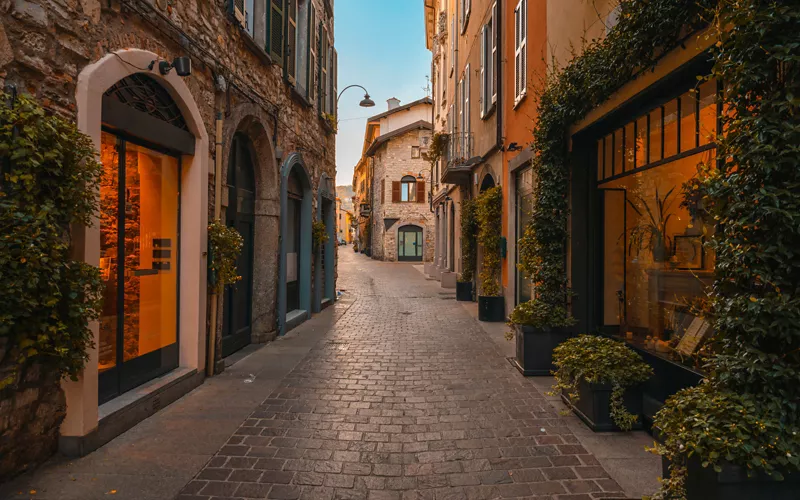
x=733, y=484
x=464, y=291
x=535, y=349
x=594, y=405
x=491, y=309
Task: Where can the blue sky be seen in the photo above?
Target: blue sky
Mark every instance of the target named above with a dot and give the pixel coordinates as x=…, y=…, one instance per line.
x=381, y=45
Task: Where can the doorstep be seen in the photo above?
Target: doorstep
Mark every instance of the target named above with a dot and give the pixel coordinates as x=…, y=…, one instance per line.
x=295, y=318
x=127, y=410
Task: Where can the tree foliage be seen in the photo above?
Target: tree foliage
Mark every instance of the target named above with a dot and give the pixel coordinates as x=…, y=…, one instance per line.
x=50, y=177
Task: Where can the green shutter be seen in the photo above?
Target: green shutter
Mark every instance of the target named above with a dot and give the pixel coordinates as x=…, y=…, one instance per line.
x=275, y=31
x=312, y=54
x=291, y=42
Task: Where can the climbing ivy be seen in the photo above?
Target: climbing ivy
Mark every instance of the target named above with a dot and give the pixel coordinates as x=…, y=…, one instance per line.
x=224, y=244
x=489, y=211
x=49, y=182
x=469, y=231
x=746, y=413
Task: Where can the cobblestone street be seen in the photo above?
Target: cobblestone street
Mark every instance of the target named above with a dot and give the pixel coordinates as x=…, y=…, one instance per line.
x=406, y=397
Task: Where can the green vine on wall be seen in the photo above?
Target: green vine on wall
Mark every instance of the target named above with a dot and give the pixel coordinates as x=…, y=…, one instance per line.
x=224, y=244
x=489, y=212
x=50, y=175
x=469, y=231
x=319, y=234
x=746, y=413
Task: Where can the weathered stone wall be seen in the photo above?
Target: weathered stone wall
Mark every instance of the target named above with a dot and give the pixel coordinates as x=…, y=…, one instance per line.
x=392, y=162
x=44, y=45
x=31, y=410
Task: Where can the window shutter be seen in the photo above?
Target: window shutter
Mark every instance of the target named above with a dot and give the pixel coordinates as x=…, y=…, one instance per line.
x=524, y=48
x=323, y=70
x=484, y=107
x=395, y=191
x=291, y=42
x=467, y=124
x=517, y=36
x=383, y=191
x=312, y=53
x=420, y=191
x=275, y=31
x=494, y=69
x=334, y=82
x=238, y=11
x=453, y=46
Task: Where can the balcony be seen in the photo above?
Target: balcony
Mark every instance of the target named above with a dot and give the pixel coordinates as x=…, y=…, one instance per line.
x=458, y=160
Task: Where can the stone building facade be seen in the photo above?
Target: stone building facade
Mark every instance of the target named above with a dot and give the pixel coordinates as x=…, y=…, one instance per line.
x=246, y=137
x=401, y=219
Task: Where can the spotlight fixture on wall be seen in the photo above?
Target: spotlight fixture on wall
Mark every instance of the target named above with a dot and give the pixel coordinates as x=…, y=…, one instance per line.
x=513, y=147
x=182, y=65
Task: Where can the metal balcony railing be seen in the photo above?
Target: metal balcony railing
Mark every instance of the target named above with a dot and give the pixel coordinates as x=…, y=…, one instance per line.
x=459, y=148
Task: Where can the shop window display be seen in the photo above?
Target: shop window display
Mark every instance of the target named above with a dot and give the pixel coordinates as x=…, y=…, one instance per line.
x=655, y=263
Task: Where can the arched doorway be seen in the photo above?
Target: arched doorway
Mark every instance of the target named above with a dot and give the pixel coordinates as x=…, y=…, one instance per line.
x=143, y=138
x=237, y=315
x=487, y=182
x=294, y=277
x=409, y=243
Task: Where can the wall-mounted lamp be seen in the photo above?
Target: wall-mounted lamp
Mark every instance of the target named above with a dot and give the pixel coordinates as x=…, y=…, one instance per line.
x=513, y=147
x=419, y=177
x=182, y=65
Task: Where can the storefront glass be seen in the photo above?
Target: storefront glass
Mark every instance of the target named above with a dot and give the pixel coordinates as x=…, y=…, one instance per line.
x=653, y=255
x=524, y=202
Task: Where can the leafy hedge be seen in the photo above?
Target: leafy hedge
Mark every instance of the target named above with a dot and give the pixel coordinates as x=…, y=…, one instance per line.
x=747, y=412
x=469, y=230
x=224, y=245
x=489, y=211
x=50, y=175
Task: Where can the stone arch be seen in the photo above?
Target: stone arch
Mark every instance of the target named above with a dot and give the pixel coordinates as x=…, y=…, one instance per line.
x=251, y=121
x=326, y=208
x=487, y=181
x=294, y=164
x=93, y=81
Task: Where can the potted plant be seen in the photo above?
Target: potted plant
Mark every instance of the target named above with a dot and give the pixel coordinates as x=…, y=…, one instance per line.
x=651, y=233
x=598, y=378
x=469, y=228
x=489, y=211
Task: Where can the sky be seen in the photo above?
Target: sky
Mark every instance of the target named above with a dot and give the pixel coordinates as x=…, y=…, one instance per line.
x=381, y=46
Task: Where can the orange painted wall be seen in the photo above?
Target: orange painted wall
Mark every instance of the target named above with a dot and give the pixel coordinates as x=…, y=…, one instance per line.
x=518, y=121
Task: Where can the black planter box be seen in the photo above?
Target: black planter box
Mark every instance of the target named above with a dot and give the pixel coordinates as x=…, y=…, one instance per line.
x=703, y=483
x=464, y=291
x=594, y=405
x=492, y=309
x=535, y=349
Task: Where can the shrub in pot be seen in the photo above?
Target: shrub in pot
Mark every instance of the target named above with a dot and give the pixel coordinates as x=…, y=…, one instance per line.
x=491, y=305
x=539, y=328
x=469, y=229
x=598, y=378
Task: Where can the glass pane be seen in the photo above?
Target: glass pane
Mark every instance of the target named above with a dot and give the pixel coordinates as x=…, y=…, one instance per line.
x=609, y=155
x=688, y=121
x=404, y=191
x=151, y=251
x=613, y=256
x=630, y=143
x=656, y=118
x=600, y=160
x=109, y=235
x=410, y=243
x=418, y=246
x=641, y=141
x=618, y=143
x=708, y=112
x=666, y=260
x=292, y=249
x=671, y=128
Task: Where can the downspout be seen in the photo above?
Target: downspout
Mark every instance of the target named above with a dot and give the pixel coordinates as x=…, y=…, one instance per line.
x=212, y=336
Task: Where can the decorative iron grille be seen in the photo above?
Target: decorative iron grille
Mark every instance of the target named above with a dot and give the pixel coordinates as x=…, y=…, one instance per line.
x=144, y=94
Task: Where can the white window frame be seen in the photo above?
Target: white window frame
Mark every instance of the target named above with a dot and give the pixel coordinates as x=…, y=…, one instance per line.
x=484, y=72
x=494, y=66
x=453, y=47
x=466, y=7
x=465, y=124
x=520, y=51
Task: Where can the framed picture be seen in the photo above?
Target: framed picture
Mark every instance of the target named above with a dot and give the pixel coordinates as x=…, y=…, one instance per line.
x=688, y=251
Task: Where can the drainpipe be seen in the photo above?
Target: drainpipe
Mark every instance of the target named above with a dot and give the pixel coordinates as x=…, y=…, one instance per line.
x=212, y=336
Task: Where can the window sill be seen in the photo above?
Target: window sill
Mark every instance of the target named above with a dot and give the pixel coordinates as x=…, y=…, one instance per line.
x=520, y=99
x=254, y=48
x=299, y=97
x=488, y=113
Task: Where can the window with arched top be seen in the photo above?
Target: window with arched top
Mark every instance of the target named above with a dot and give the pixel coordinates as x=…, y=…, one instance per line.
x=408, y=188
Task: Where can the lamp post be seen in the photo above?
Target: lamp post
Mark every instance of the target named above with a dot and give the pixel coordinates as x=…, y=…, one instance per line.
x=365, y=103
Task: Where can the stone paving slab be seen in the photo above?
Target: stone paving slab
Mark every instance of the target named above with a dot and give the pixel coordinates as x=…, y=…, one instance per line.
x=405, y=398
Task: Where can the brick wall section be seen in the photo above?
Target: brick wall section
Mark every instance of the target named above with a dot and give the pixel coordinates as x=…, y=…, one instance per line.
x=392, y=162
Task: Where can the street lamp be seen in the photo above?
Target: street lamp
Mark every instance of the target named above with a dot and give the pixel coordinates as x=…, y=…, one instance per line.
x=365, y=103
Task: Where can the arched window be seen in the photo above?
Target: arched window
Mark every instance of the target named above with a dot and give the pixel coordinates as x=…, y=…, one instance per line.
x=408, y=188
